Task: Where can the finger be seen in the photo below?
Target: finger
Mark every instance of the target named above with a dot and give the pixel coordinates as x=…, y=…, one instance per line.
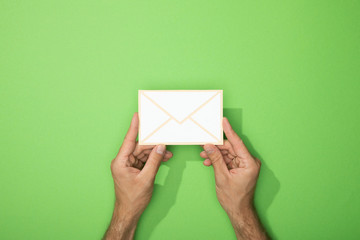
x=207, y=162
x=168, y=154
x=138, y=164
x=134, y=162
x=129, y=142
x=203, y=154
x=238, y=162
x=167, y=157
x=258, y=161
x=226, y=159
x=224, y=152
x=236, y=142
x=153, y=163
x=231, y=165
x=142, y=148
x=217, y=160
x=230, y=155
x=227, y=146
x=144, y=154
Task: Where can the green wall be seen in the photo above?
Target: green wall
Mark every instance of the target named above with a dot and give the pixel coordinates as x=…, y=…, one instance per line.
x=69, y=75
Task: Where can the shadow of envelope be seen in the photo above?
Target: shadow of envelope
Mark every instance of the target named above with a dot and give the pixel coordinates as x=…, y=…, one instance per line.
x=180, y=117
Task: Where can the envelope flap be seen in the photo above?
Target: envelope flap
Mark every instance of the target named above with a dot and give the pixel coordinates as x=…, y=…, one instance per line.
x=180, y=104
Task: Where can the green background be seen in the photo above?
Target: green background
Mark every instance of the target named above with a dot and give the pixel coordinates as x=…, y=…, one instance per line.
x=69, y=74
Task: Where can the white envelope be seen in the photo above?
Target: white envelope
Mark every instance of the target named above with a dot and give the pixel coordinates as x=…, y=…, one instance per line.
x=180, y=117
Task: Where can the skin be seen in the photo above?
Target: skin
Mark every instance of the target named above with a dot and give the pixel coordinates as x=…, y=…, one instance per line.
x=135, y=167
x=133, y=170
x=236, y=173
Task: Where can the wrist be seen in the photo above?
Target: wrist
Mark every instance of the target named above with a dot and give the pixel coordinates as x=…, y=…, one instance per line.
x=125, y=215
x=123, y=224
x=240, y=210
x=246, y=223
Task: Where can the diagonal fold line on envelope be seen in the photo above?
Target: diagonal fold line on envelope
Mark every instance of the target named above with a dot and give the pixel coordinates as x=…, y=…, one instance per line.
x=152, y=133
x=192, y=113
x=180, y=122
x=199, y=125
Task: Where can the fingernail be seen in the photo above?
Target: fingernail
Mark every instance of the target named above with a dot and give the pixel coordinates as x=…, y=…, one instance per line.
x=160, y=149
x=208, y=149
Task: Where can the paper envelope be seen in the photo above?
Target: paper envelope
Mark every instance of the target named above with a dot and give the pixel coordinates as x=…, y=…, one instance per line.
x=180, y=117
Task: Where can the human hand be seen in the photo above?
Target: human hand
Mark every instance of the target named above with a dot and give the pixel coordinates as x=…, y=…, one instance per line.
x=133, y=170
x=236, y=173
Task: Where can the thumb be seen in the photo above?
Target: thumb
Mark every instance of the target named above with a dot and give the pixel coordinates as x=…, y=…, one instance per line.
x=153, y=163
x=216, y=159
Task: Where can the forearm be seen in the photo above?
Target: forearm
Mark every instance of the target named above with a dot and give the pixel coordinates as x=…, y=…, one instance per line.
x=247, y=224
x=122, y=226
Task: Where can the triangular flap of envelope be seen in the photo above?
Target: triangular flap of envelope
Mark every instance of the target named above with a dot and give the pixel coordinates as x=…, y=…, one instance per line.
x=180, y=104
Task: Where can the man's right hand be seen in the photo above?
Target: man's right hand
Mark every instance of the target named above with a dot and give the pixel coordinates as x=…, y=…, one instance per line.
x=236, y=173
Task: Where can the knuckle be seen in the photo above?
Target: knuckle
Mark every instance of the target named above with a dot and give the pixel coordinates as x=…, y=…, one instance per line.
x=258, y=161
x=112, y=164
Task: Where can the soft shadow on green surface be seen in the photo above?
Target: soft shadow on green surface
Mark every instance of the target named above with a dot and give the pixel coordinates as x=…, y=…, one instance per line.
x=268, y=185
x=267, y=188
x=164, y=195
